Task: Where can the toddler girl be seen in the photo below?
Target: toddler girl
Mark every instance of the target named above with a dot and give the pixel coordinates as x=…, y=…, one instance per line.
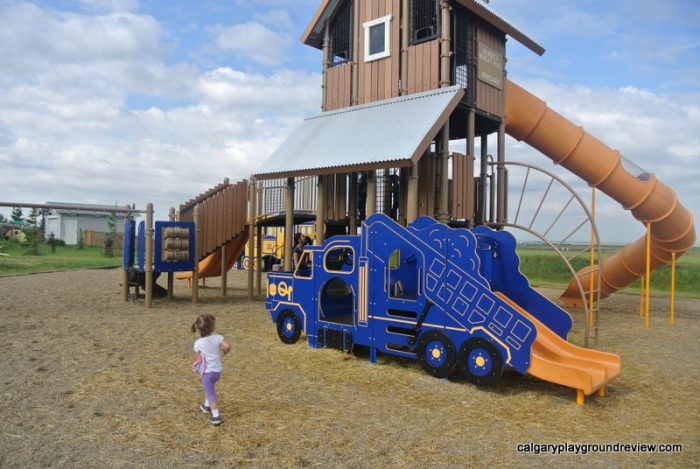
x=210, y=346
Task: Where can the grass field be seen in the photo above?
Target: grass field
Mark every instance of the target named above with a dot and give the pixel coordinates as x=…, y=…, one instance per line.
x=65, y=258
x=543, y=267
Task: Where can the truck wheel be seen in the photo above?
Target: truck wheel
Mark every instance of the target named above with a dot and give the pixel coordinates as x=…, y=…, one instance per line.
x=480, y=362
x=436, y=354
x=288, y=327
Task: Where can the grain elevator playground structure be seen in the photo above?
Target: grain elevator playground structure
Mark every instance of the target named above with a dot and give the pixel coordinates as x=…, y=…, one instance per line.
x=402, y=79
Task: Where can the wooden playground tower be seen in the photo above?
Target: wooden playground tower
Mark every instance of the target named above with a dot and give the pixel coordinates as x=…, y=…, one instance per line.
x=416, y=48
x=402, y=79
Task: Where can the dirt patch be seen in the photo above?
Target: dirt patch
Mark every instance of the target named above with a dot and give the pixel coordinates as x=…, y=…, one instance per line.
x=88, y=380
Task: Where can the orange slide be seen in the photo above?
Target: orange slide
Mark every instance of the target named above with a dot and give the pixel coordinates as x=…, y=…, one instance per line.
x=556, y=360
x=529, y=119
x=210, y=266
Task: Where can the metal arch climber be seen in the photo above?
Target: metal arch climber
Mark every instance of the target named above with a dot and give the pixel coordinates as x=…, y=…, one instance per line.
x=590, y=311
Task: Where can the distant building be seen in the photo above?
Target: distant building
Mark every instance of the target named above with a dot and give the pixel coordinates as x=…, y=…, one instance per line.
x=64, y=223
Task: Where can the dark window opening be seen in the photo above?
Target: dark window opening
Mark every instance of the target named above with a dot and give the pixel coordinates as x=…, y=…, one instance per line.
x=376, y=39
x=464, y=50
x=403, y=274
x=337, y=300
x=340, y=34
x=425, y=16
x=339, y=260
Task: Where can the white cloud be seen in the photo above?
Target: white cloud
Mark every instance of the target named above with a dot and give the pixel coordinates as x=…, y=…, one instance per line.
x=67, y=133
x=256, y=42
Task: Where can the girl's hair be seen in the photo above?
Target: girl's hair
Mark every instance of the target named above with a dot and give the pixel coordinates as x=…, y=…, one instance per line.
x=204, y=324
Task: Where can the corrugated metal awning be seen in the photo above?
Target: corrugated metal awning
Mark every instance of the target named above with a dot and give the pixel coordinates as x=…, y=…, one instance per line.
x=391, y=133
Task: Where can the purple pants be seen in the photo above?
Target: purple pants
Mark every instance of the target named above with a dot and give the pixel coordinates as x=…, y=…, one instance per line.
x=209, y=380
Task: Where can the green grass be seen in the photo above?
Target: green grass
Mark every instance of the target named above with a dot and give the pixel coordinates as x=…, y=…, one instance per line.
x=543, y=267
x=65, y=258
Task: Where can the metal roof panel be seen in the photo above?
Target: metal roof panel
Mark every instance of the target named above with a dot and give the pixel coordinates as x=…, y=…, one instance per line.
x=393, y=130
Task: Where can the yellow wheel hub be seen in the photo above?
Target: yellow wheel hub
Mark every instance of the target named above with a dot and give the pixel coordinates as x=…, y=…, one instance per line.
x=289, y=326
x=436, y=353
x=480, y=361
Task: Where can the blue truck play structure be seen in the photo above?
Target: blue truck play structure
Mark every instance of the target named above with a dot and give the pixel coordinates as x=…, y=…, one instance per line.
x=453, y=299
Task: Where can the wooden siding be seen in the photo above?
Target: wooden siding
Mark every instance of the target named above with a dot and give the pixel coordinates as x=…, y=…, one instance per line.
x=339, y=87
x=222, y=217
x=379, y=79
x=462, y=196
x=490, y=98
x=336, y=196
x=423, y=67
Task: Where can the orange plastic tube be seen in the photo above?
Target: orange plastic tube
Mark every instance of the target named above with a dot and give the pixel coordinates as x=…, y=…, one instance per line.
x=529, y=119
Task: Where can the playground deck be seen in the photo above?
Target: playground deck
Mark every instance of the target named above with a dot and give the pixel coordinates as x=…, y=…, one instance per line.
x=80, y=399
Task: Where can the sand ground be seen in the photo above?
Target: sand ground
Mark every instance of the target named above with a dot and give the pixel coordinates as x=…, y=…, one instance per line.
x=88, y=380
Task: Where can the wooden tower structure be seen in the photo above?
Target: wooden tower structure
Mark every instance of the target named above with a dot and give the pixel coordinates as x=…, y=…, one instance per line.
x=401, y=79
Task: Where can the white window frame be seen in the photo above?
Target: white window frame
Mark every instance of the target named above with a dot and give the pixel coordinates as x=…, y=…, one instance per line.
x=387, y=38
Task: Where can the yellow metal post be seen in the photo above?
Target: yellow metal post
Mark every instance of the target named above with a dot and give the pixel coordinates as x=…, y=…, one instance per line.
x=641, y=296
x=672, y=317
x=592, y=265
x=647, y=277
x=580, y=397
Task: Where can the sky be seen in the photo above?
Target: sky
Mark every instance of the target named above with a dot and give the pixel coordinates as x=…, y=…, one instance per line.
x=127, y=101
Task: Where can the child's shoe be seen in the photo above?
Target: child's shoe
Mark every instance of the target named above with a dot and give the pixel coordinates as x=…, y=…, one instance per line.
x=215, y=420
x=205, y=408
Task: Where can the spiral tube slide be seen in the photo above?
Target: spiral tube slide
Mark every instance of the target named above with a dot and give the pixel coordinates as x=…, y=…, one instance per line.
x=529, y=119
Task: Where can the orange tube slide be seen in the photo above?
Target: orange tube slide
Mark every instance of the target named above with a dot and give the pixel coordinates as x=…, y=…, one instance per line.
x=529, y=119
x=210, y=266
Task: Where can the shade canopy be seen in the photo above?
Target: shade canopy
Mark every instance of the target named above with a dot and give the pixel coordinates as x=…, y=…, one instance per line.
x=391, y=133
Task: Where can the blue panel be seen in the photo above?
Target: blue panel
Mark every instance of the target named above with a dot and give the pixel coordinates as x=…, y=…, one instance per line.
x=165, y=266
x=129, y=244
x=141, y=244
x=501, y=266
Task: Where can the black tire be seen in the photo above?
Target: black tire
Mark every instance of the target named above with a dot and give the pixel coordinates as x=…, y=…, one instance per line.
x=436, y=354
x=480, y=362
x=288, y=327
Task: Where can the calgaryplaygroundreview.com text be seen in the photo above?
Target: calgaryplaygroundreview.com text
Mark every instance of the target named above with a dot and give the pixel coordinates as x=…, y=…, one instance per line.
x=585, y=448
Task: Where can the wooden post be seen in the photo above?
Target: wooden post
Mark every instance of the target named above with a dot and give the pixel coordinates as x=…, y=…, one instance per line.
x=445, y=43
x=252, y=210
x=403, y=77
x=326, y=65
x=412, y=202
x=197, y=251
x=469, y=176
x=171, y=275
x=289, y=224
x=258, y=273
x=443, y=160
x=352, y=203
x=483, y=176
x=320, y=211
x=371, y=193
x=355, y=52
x=501, y=194
x=148, y=261
x=224, y=268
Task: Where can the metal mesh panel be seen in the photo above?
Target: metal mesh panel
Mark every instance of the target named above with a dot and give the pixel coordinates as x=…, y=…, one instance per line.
x=340, y=34
x=463, y=47
x=424, y=20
